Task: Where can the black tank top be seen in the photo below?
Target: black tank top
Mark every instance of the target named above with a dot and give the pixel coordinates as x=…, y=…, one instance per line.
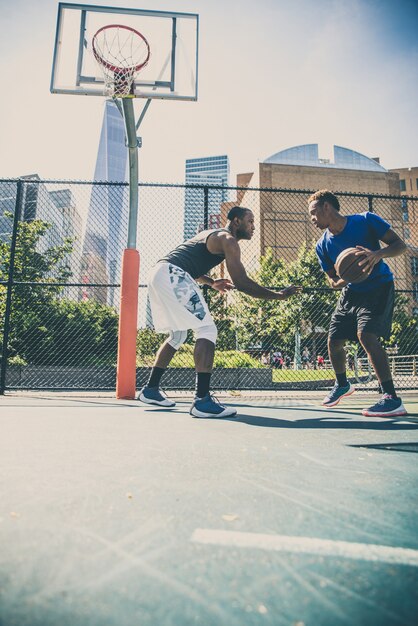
x=192, y=255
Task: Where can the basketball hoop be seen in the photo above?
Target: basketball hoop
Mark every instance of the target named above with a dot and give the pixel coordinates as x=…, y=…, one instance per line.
x=122, y=52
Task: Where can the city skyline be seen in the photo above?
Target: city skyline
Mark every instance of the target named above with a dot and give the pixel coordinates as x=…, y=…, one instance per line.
x=322, y=72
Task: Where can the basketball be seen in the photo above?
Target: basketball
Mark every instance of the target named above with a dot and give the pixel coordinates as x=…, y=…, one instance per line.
x=348, y=268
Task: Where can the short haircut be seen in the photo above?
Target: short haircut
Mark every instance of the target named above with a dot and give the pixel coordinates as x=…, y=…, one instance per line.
x=237, y=211
x=323, y=195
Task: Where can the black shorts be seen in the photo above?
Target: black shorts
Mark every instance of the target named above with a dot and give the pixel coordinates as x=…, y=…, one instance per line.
x=367, y=311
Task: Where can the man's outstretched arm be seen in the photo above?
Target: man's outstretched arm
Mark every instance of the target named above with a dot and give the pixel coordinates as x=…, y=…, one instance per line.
x=242, y=281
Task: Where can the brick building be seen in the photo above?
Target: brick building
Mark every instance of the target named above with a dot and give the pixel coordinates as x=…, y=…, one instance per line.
x=408, y=186
x=282, y=219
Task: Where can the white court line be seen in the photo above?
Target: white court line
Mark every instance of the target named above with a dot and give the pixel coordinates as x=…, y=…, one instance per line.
x=307, y=545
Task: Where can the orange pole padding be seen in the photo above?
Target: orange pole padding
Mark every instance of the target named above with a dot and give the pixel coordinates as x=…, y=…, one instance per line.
x=128, y=319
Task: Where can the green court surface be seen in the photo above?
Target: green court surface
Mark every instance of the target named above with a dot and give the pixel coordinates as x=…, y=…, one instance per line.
x=114, y=513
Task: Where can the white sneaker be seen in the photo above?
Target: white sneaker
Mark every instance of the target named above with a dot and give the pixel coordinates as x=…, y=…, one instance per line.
x=152, y=395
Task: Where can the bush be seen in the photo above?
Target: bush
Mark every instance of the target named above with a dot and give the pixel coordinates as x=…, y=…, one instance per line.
x=64, y=332
x=223, y=359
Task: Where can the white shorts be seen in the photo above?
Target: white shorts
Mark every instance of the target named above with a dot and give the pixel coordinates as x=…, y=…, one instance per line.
x=176, y=301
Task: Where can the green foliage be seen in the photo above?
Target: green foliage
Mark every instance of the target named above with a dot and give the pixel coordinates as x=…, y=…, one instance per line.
x=223, y=318
x=184, y=356
x=231, y=358
x=147, y=344
x=65, y=333
x=46, y=329
x=404, y=328
x=31, y=263
x=273, y=323
x=227, y=358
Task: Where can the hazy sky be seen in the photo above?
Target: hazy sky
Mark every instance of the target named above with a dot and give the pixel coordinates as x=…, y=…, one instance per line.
x=272, y=74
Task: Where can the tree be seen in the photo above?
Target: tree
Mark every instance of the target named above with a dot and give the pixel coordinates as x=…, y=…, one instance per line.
x=274, y=323
x=46, y=328
x=223, y=317
x=404, y=328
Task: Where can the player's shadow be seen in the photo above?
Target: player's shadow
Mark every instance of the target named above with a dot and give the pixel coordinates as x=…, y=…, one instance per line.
x=326, y=422
x=411, y=446
x=329, y=412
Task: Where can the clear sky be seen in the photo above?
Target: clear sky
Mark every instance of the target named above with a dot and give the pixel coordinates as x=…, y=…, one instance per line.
x=272, y=74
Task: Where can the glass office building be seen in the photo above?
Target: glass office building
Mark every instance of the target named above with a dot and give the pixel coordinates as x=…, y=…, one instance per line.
x=107, y=220
x=204, y=171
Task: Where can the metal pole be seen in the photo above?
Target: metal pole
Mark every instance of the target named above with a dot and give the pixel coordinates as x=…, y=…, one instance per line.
x=5, y=354
x=133, y=145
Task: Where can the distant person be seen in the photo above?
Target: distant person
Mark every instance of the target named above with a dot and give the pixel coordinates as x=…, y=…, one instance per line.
x=277, y=358
x=364, y=311
x=287, y=361
x=320, y=361
x=306, y=358
x=177, y=305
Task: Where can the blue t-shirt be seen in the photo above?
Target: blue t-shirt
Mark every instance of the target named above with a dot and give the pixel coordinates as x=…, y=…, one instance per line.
x=362, y=229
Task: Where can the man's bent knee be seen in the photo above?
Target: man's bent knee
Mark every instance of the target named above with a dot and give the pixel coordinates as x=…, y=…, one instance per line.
x=209, y=332
x=335, y=344
x=176, y=338
x=368, y=340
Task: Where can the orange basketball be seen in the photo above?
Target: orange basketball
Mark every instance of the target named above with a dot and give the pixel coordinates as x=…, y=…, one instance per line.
x=348, y=268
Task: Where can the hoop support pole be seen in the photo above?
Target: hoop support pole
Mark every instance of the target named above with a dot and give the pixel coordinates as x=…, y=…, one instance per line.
x=132, y=141
x=128, y=318
x=126, y=366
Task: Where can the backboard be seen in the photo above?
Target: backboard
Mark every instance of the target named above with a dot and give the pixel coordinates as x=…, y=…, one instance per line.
x=172, y=68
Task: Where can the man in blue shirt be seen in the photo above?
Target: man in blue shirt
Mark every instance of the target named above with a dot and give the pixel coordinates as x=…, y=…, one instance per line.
x=364, y=311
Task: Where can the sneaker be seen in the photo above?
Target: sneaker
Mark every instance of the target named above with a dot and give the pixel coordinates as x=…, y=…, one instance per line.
x=336, y=393
x=152, y=395
x=210, y=407
x=388, y=406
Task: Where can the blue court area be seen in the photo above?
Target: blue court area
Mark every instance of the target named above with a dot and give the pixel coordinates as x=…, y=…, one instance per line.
x=118, y=514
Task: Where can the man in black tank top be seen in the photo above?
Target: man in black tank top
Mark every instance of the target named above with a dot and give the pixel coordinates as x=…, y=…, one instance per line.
x=177, y=304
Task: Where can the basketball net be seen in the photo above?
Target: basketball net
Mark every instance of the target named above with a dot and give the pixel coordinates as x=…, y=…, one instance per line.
x=121, y=52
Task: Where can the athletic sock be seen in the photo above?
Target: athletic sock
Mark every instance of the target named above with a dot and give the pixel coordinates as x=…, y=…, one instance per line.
x=202, y=384
x=342, y=379
x=387, y=387
x=155, y=377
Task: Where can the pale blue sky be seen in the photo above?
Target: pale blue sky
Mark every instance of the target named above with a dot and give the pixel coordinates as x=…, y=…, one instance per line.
x=273, y=74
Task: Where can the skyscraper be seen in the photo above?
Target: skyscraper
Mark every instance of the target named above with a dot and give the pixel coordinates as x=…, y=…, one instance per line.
x=204, y=171
x=107, y=220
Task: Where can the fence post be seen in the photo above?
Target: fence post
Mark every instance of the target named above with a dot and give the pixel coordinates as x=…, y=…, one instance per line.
x=414, y=367
x=205, y=226
x=393, y=366
x=205, y=208
x=370, y=199
x=5, y=354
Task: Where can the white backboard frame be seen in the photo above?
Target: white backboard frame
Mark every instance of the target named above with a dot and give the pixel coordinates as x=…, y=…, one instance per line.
x=172, y=72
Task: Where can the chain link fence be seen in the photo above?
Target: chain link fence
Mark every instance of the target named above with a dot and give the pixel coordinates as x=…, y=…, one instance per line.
x=61, y=246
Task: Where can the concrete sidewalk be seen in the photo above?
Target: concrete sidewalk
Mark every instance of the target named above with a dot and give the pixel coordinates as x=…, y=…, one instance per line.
x=114, y=513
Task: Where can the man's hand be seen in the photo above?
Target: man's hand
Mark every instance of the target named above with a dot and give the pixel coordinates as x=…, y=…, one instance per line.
x=287, y=292
x=371, y=259
x=222, y=284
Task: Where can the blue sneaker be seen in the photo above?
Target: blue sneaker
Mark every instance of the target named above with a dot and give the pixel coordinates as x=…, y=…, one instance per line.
x=152, y=395
x=336, y=393
x=388, y=406
x=210, y=407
